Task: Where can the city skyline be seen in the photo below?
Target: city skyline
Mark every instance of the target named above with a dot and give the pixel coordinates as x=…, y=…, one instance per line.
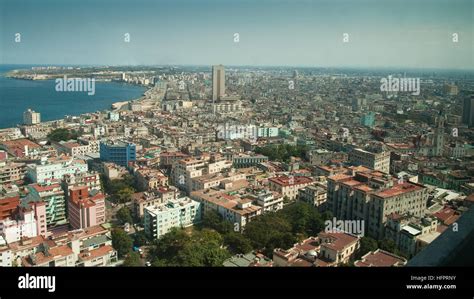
x=401, y=34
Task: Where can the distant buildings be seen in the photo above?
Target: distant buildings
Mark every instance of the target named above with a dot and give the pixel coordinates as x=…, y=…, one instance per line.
x=368, y=119
x=118, y=152
x=180, y=212
x=246, y=160
x=31, y=117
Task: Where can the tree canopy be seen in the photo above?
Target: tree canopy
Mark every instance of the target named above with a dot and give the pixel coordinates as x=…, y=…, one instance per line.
x=62, y=134
x=122, y=242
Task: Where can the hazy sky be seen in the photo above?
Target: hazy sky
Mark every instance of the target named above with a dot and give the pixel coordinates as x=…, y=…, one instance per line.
x=386, y=33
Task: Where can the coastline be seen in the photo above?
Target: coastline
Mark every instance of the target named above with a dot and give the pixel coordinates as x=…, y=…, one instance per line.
x=118, y=105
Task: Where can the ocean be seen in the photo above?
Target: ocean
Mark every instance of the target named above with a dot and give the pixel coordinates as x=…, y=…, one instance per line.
x=16, y=96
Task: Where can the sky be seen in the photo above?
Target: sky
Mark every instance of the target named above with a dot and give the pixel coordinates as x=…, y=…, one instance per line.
x=382, y=33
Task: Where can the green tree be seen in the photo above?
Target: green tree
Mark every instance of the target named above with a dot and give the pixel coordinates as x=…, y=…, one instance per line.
x=62, y=134
x=388, y=245
x=140, y=239
x=124, y=215
x=122, y=242
x=132, y=260
x=367, y=244
x=237, y=243
x=177, y=248
x=124, y=195
x=214, y=220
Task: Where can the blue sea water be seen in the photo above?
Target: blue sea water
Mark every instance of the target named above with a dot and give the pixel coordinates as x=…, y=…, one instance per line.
x=16, y=96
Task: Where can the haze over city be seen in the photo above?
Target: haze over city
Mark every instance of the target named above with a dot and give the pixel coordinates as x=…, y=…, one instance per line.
x=406, y=33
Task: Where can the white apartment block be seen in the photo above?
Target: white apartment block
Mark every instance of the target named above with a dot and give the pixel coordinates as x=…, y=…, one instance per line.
x=55, y=169
x=181, y=212
x=13, y=230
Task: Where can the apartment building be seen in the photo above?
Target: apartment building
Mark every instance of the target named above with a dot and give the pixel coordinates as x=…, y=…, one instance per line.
x=411, y=234
x=141, y=200
x=27, y=221
x=337, y=248
x=85, y=209
x=89, y=179
x=371, y=196
x=325, y=250
x=180, y=212
x=55, y=169
x=314, y=195
x=377, y=160
x=288, y=186
x=53, y=195
x=232, y=208
x=11, y=172
x=246, y=160
x=270, y=201
x=148, y=178
x=215, y=180
x=71, y=148
x=186, y=169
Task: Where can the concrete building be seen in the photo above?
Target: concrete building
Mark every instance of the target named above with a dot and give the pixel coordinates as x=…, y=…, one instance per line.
x=371, y=196
x=411, y=234
x=246, y=160
x=468, y=111
x=11, y=172
x=8, y=205
x=374, y=160
x=315, y=195
x=118, y=152
x=29, y=221
x=141, y=200
x=269, y=201
x=85, y=209
x=53, y=195
x=232, y=208
x=180, y=212
x=31, y=117
x=380, y=258
x=288, y=186
x=218, y=82
x=55, y=169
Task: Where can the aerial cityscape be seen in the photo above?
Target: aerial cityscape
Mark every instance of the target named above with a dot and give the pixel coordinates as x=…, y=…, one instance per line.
x=233, y=154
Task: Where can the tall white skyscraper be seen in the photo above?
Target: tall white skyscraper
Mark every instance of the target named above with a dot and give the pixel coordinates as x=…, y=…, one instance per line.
x=218, y=82
x=31, y=117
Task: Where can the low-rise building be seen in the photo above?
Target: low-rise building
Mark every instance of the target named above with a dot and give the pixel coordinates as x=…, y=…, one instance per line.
x=380, y=258
x=288, y=186
x=237, y=210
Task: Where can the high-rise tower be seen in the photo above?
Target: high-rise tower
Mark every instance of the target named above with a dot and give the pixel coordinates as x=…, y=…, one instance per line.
x=218, y=82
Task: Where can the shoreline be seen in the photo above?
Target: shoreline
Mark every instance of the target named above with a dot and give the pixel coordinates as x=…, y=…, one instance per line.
x=115, y=106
